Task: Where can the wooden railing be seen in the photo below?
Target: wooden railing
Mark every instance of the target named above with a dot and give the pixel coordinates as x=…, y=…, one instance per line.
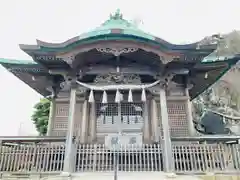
x=42, y=155
x=32, y=154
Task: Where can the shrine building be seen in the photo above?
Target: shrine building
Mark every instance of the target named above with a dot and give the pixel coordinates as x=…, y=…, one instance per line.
x=119, y=81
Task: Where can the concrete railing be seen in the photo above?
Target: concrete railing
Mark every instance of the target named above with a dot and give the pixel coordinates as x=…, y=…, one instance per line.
x=44, y=155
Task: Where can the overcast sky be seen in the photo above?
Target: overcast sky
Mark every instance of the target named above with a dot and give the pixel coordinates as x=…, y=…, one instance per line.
x=22, y=22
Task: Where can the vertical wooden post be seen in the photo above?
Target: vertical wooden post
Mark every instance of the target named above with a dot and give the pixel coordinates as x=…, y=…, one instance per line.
x=84, y=122
x=155, y=122
x=51, y=117
x=93, y=123
x=167, y=145
x=191, y=130
x=69, y=157
x=146, y=123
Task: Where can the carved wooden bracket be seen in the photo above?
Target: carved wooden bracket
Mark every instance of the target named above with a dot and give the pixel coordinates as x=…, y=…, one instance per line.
x=165, y=83
x=69, y=82
x=69, y=59
x=117, y=51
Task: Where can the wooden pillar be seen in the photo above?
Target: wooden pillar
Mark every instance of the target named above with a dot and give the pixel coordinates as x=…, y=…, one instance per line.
x=92, y=121
x=167, y=145
x=84, y=122
x=155, y=121
x=69, y=157
x=52, y=113
x=146, y=135
x=191, y=130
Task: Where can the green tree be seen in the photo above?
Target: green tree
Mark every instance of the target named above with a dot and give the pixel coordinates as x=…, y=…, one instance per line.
x=40, y=116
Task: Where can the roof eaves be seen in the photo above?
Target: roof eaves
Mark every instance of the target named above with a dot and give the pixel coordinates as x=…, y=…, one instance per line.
x=56, y=45
x=230, y=61
x=16, y=62
x=99, y=35
x=26, y=47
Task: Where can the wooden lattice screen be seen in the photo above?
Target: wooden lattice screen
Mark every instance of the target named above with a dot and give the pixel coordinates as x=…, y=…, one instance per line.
x=177, y=118
x=176, y=110
x=60, y=123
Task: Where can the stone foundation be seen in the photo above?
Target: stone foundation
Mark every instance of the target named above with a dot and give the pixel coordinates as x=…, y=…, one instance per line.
x=121, y=176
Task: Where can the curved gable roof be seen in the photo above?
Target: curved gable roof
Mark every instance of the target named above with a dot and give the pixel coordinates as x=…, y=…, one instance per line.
x=116, y=27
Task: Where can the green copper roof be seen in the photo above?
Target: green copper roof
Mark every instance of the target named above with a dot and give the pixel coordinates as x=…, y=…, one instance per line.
x=26, y=66
x=116, y=21
x=115, y=28
x=13, y=61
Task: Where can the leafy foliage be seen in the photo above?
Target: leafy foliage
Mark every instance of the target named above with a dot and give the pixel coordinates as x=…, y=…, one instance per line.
x=40, y=116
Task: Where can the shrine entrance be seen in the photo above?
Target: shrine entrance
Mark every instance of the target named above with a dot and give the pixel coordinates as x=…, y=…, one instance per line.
x=122, y=117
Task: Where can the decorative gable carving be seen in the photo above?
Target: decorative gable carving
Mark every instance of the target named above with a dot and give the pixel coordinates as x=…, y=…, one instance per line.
x=117, y=78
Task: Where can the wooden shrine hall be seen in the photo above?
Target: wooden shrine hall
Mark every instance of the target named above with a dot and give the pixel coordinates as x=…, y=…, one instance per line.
x=118, y=81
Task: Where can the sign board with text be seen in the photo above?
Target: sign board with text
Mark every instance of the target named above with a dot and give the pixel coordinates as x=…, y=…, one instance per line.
x=118, y=142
